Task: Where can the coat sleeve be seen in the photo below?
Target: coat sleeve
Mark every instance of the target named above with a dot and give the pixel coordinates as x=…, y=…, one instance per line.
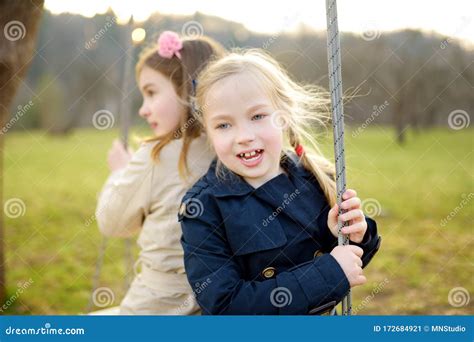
x=370, y=243
x=217, y=280
x=123, y=201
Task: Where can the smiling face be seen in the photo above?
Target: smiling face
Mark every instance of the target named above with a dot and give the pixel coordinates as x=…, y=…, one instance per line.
x=238, y=120
x=161, y=107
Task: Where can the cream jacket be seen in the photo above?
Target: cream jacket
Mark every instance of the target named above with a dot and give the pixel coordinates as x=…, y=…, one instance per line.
x=144, y=198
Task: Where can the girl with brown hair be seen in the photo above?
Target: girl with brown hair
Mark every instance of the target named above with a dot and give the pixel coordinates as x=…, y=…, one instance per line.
x=142, y=193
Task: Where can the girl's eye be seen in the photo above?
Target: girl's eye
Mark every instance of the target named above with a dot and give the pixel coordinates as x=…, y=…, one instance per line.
x=150, y=93
x=258, y=116
x=222, y=126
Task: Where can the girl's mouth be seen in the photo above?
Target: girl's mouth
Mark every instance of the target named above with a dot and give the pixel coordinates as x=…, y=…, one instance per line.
x=252, y=158
x=153, y=125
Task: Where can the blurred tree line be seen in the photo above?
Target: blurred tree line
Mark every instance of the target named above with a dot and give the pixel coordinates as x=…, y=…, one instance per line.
x=404, y=78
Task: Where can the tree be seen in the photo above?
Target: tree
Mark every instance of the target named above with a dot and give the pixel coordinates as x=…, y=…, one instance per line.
x=19, y=23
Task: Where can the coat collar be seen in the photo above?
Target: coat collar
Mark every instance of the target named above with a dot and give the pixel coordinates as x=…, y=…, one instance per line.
x=231, y=184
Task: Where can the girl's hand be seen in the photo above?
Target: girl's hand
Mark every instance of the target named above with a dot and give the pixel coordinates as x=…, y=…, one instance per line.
x=354, y=215
x=349, y=258
x=118, y=156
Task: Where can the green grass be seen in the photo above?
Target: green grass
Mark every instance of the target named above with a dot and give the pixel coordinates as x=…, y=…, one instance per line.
x=416, y=185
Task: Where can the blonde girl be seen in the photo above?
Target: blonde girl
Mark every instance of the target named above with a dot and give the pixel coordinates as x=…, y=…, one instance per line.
x=265, y=241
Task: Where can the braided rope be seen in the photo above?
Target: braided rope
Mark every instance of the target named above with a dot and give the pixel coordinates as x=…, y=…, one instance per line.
x=335, y=87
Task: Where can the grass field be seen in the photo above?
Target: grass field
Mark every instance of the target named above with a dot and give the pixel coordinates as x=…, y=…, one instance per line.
x=421, y=194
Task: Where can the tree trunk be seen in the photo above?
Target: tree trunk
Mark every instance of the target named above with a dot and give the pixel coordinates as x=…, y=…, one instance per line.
x=19, y=24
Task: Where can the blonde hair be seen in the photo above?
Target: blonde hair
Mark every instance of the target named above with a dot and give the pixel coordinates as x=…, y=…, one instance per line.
x=300, y=106
x=195, y=55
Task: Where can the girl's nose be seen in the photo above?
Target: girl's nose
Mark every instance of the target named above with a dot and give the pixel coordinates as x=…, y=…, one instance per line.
x=144, y=112
x=245, y=136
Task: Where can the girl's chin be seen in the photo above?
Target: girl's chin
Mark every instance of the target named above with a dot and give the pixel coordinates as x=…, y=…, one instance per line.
x=159, y=132
x=251, y=172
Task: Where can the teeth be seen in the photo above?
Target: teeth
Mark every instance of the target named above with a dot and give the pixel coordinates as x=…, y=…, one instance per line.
x=249, y=154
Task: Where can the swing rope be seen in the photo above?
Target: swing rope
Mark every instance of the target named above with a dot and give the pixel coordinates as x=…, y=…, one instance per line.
x=124, y=114
x=335, y=87
x=125, y=110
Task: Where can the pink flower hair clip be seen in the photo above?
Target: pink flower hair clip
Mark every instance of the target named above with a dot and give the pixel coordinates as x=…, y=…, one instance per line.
x=169, y=45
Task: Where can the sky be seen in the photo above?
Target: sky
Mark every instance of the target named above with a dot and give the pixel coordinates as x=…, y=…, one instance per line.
x=453, y=18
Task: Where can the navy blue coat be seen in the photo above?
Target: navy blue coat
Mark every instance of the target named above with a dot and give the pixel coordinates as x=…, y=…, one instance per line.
x=265, y=250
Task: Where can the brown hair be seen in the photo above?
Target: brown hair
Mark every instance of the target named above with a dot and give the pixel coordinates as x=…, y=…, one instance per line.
x=195, y=54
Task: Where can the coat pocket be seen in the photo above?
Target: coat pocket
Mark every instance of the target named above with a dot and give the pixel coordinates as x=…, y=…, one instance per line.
x=253, y=229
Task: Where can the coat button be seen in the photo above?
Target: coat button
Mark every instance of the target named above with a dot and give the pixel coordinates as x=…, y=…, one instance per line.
x=269, y=272
x=318, y=253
